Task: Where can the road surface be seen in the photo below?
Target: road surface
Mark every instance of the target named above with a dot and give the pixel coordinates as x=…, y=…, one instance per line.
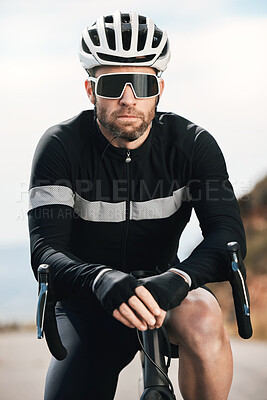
x=24, y=360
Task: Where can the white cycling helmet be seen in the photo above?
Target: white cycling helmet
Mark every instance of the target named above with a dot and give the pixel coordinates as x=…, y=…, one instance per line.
x=124, y=39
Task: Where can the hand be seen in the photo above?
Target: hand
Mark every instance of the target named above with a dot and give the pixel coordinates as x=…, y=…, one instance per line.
x=133, y=306
x=168, y=289
x=141, y=311
x=114, y=288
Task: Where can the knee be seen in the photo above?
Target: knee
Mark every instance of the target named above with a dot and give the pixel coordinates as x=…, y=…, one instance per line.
x=197, y=323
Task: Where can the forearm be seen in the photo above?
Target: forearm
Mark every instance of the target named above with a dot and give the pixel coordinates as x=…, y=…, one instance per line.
x=71, y=276
x=218, y=213
x=50, y=244
x=208, y=262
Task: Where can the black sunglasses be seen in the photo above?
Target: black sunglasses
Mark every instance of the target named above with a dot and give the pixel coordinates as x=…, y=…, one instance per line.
x=112, y=86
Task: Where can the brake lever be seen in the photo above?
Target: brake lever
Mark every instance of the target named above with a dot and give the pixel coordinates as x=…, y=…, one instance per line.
x=43, y=278
x=45, y=318
x=240, y=290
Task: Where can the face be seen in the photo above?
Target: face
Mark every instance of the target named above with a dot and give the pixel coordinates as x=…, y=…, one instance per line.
x=126, y=118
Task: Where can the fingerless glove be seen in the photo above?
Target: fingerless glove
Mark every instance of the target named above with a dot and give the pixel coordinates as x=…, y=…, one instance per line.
x=114, y=288
x=168, y=289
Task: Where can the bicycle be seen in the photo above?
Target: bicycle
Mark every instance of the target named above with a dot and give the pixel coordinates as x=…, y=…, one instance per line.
x=156, y=383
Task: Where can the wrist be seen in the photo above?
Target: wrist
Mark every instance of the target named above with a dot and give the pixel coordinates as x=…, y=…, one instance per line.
x=183, y=274
x=98, y=276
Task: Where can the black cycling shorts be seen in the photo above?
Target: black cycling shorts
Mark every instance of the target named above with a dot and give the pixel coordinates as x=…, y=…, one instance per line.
x=98, y=347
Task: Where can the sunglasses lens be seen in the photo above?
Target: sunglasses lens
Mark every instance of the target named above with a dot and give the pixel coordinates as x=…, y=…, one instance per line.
x=111, y=86
x=145, y=85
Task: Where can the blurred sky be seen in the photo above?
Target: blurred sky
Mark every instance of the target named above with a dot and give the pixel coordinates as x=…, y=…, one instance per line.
x=216, y=78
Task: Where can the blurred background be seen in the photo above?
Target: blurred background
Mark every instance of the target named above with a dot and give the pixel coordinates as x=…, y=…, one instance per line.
x=216, y=78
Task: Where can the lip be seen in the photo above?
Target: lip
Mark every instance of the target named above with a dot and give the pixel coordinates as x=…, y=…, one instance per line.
x=127, y=116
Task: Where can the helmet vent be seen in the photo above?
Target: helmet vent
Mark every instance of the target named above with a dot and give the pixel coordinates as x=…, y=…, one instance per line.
x=109, y=19
x=157, y=37
x=126, y=31
x=142, y=20
x=164, y=51
x=110, y=34
x=125, y=60
x=94, y=37
x=85, y=47
x=142, y=35
x=125, y=18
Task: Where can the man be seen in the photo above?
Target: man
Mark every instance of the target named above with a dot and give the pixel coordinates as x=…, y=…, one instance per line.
x=111, y=192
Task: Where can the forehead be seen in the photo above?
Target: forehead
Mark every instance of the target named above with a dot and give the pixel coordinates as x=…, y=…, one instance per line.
x=115, y=69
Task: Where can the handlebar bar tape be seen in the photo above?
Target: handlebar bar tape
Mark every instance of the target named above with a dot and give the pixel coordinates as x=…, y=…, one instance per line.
x=239, y=290
x=45, y=318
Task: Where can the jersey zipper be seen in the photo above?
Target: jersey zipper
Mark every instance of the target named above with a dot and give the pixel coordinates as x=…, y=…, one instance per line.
x=127, y=209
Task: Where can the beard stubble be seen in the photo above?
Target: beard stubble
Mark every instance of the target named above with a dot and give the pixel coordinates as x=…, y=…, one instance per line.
x=126, y=130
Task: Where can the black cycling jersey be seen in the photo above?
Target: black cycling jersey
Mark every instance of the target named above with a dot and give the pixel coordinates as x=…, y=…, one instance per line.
x=92, y=203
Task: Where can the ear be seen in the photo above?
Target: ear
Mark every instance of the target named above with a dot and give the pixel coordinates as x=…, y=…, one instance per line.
x=89, y=91
x=161, y=86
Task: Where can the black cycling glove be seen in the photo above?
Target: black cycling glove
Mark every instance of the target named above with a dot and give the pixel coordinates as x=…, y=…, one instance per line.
x=168, y=289
x=114, y=288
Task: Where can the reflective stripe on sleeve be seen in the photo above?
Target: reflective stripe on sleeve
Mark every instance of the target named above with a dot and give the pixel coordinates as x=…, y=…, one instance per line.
x=50, y=195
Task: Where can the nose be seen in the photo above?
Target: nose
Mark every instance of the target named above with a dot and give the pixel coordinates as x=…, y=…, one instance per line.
x=128, y=97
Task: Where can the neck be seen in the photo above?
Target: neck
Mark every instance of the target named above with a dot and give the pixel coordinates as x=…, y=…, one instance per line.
x=123, y=143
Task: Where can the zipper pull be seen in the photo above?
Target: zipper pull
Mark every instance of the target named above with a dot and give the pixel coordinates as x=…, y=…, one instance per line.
x=128, y=158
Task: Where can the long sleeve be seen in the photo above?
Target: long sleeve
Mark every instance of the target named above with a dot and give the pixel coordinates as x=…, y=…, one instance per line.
x=51, y=217
x=218, y=213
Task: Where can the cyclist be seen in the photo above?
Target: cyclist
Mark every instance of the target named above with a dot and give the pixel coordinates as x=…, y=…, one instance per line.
x=111, y=192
